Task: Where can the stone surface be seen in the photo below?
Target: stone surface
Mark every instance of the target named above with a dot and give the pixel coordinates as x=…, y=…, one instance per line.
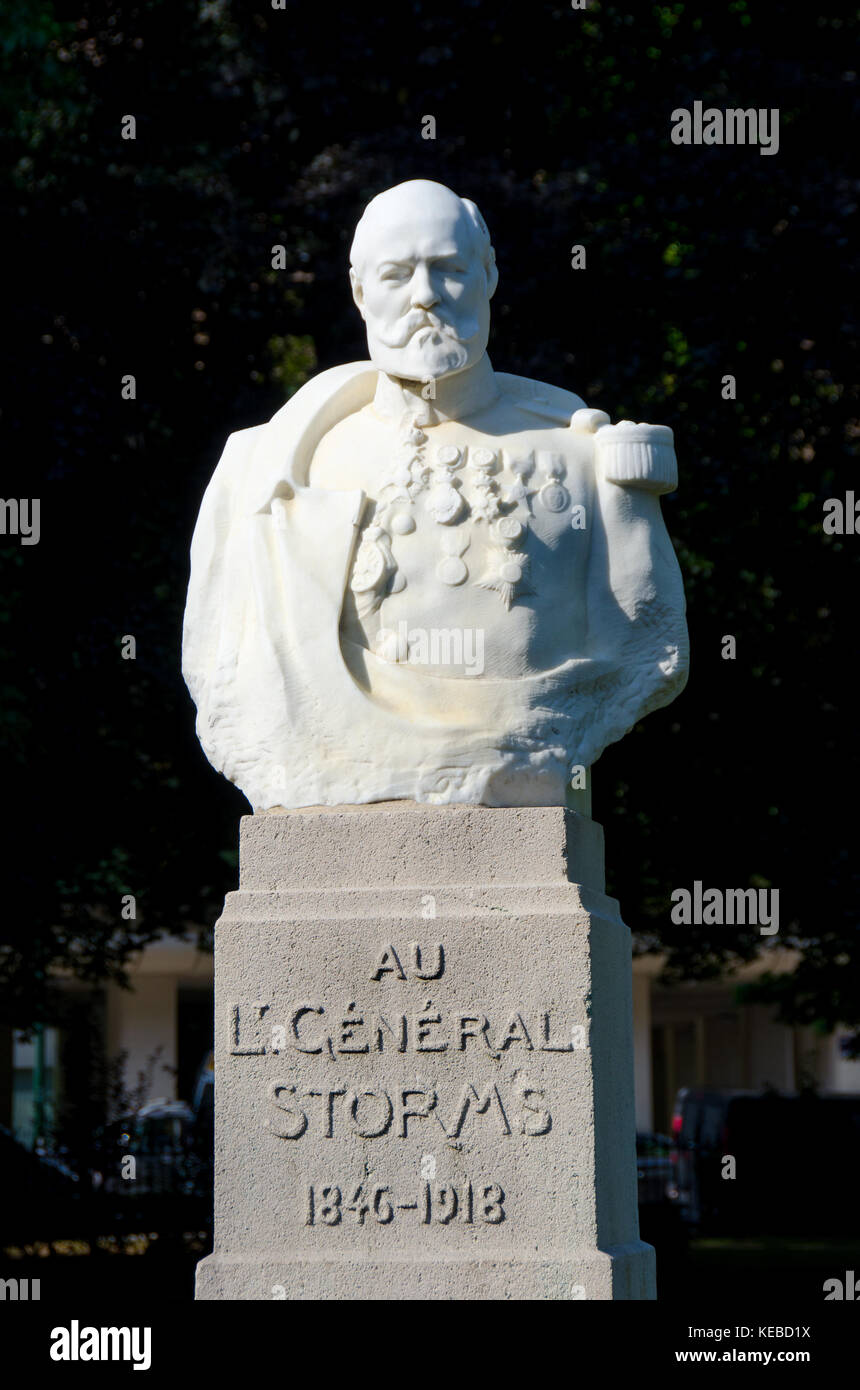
x=423, y=1057
x=422, y=579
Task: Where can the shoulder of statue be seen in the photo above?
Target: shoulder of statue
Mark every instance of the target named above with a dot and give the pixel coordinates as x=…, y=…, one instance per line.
x=629, y=454
x=284, y=447
x=235, y=458
x=539, y=398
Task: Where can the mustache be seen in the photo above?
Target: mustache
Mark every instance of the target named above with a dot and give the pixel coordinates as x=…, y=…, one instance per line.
x=416, y=320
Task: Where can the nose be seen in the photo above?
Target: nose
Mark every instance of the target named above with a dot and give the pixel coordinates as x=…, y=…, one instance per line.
x=423, y=294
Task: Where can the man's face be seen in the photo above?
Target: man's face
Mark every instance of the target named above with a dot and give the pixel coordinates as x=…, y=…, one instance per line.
x=422, y=292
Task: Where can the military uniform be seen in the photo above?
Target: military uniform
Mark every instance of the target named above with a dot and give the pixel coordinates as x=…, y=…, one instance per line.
x=362, y=515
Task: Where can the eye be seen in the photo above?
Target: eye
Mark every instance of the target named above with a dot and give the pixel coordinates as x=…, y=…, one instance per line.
x=395, y=273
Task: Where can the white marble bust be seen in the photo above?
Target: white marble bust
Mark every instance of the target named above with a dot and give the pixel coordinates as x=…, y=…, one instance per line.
x=424, y=579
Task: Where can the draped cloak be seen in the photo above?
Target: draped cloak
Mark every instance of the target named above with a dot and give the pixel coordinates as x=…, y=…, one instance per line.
x=282, y=715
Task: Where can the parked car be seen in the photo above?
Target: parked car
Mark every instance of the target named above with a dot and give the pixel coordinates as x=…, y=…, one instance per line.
x=659, y=1218
x=654, y=1167
x=167, y=1186
x=757, y=1163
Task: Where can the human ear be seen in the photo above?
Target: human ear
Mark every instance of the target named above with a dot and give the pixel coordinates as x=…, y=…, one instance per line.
x=492, y=274
x=357, y=291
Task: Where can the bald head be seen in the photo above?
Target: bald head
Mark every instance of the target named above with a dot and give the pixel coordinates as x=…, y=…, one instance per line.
x=423, y=272
x=425, y=200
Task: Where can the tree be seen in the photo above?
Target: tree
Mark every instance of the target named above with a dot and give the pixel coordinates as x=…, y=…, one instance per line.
x=153, y=257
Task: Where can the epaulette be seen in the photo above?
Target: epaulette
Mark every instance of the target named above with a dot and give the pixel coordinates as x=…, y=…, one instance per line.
x=637, y=455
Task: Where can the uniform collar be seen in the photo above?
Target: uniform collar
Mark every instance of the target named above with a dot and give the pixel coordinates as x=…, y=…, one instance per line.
x=457, y=396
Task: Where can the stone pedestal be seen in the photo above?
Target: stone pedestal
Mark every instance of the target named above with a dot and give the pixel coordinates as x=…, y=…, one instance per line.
x=423, y=1061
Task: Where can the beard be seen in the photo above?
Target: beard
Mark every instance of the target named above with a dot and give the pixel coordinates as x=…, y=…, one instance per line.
x=421, y=324
x=421, y=346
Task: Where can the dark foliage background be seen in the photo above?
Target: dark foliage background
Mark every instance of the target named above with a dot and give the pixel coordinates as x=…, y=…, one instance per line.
x=257, y=127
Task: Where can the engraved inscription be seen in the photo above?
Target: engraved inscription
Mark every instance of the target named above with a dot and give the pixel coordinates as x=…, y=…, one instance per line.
x=422, y=963
x=313, y=1027
x=333, y=1111
x=435, y=1203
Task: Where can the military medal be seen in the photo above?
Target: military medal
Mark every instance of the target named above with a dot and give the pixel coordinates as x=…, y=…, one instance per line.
x=402, y=524
x=553, y=496
x=451, y=569
x=370, y=562
x=506, y=573
x=408, y=474
x=507, y=530
x=444, y=502
x=486, y=504
x=518, y=493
